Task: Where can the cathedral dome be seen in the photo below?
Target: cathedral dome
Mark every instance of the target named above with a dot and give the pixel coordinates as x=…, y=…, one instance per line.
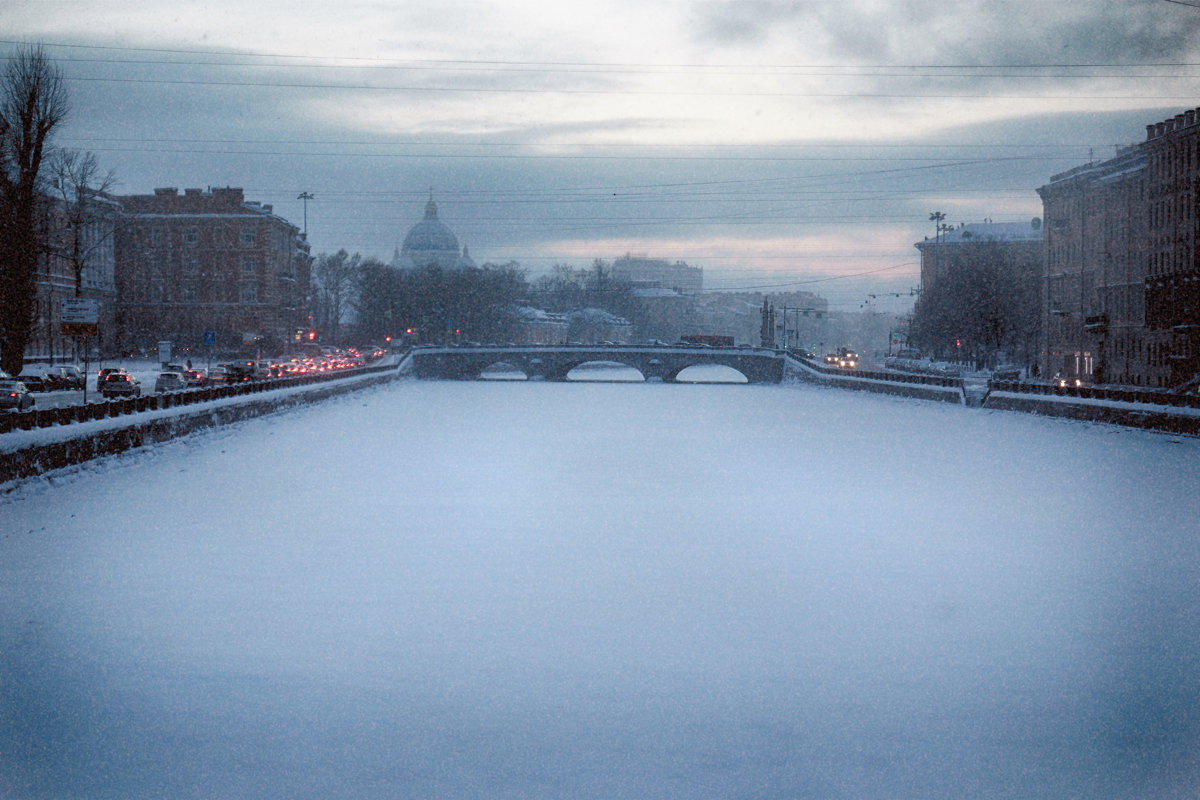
x=430, y=242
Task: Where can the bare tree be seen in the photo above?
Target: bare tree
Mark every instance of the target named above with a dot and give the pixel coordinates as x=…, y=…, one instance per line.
x=989, y=301
x=77, y=182
x=33, y=100
x=337, y=277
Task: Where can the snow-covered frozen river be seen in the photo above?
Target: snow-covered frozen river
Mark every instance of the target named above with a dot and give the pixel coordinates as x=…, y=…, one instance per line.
x=541, y=590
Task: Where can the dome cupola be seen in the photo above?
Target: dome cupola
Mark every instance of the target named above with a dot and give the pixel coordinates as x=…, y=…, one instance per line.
x=430, y=242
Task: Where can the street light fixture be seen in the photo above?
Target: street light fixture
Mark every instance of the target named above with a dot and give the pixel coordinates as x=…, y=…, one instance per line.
x=305, y=196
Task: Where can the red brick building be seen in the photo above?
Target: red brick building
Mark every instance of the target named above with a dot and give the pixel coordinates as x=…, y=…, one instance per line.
x=208, y=261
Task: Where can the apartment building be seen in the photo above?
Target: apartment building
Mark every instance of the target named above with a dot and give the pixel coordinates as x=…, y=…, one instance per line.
x=208, y=262
x=1093, y=294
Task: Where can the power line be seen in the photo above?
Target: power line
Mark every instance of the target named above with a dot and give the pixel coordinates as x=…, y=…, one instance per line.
x=825, y=71
x=613, y=145
x=494, y=63
x=625, y=92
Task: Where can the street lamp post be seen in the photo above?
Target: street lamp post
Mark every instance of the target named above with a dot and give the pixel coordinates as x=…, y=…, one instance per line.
x=305, y=196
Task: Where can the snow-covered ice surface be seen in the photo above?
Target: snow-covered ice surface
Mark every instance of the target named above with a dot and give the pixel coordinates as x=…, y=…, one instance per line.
x=547, y=590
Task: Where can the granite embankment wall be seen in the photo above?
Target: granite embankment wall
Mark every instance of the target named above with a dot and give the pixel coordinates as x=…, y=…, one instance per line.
x=64, y=440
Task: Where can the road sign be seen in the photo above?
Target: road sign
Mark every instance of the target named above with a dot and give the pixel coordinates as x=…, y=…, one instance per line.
x=78, y=329
x=80, y=310
x=210, y=338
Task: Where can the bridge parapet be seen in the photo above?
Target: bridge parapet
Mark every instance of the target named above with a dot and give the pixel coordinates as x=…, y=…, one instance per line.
x=555, y=362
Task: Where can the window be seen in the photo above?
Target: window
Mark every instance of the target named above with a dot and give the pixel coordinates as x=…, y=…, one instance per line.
x=248, y=293
x=191, y=236
x=249, y=265
x=155, y=237
x=187, y=292
x=249, y=236
x=189, y=265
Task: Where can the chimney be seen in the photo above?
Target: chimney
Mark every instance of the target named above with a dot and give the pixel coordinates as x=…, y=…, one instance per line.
x=168, y=192
x=228, y=196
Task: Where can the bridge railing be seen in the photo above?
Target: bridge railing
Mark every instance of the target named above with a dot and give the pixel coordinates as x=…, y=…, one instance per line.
x=894, y=377
x=1112, y=393
x=83, y=412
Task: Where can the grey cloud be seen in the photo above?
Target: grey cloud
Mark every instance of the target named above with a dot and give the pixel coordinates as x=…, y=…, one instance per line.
x=741, y=23
x=968, y=32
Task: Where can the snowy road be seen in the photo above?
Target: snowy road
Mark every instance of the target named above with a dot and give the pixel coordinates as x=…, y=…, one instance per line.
x=542, y=590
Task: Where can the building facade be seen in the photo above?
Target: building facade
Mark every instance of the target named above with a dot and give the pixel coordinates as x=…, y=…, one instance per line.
x=200, y=263
x=79, y=261
x=1172, y=275
x=641, y=272
x=977, y=270
x=1093, y=300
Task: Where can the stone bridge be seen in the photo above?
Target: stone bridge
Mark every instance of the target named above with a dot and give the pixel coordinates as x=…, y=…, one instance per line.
x=554, y=362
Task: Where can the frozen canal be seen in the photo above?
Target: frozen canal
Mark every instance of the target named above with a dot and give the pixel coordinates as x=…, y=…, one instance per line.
x=482, y=590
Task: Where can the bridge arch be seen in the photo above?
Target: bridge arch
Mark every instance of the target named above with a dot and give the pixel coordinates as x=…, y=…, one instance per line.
x=504, y=371
x=709, y=373
x=604, y=371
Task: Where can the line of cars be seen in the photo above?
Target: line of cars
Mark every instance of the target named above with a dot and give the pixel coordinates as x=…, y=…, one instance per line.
x=50, y=379
x=844, y=358
x=176, y=377
x=16, y=394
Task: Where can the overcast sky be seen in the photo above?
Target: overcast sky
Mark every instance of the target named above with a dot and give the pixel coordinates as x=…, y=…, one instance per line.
x=774, y=143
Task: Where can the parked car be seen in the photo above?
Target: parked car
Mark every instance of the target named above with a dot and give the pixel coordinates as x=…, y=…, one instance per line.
x=15, y=396
x=195, y=377
x=264, y=370
x=120, y=384
x=1007, y=372
x=66, y=376
x=35, y=381
x=239, y=372
x=169, y=382
x=104, y=373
